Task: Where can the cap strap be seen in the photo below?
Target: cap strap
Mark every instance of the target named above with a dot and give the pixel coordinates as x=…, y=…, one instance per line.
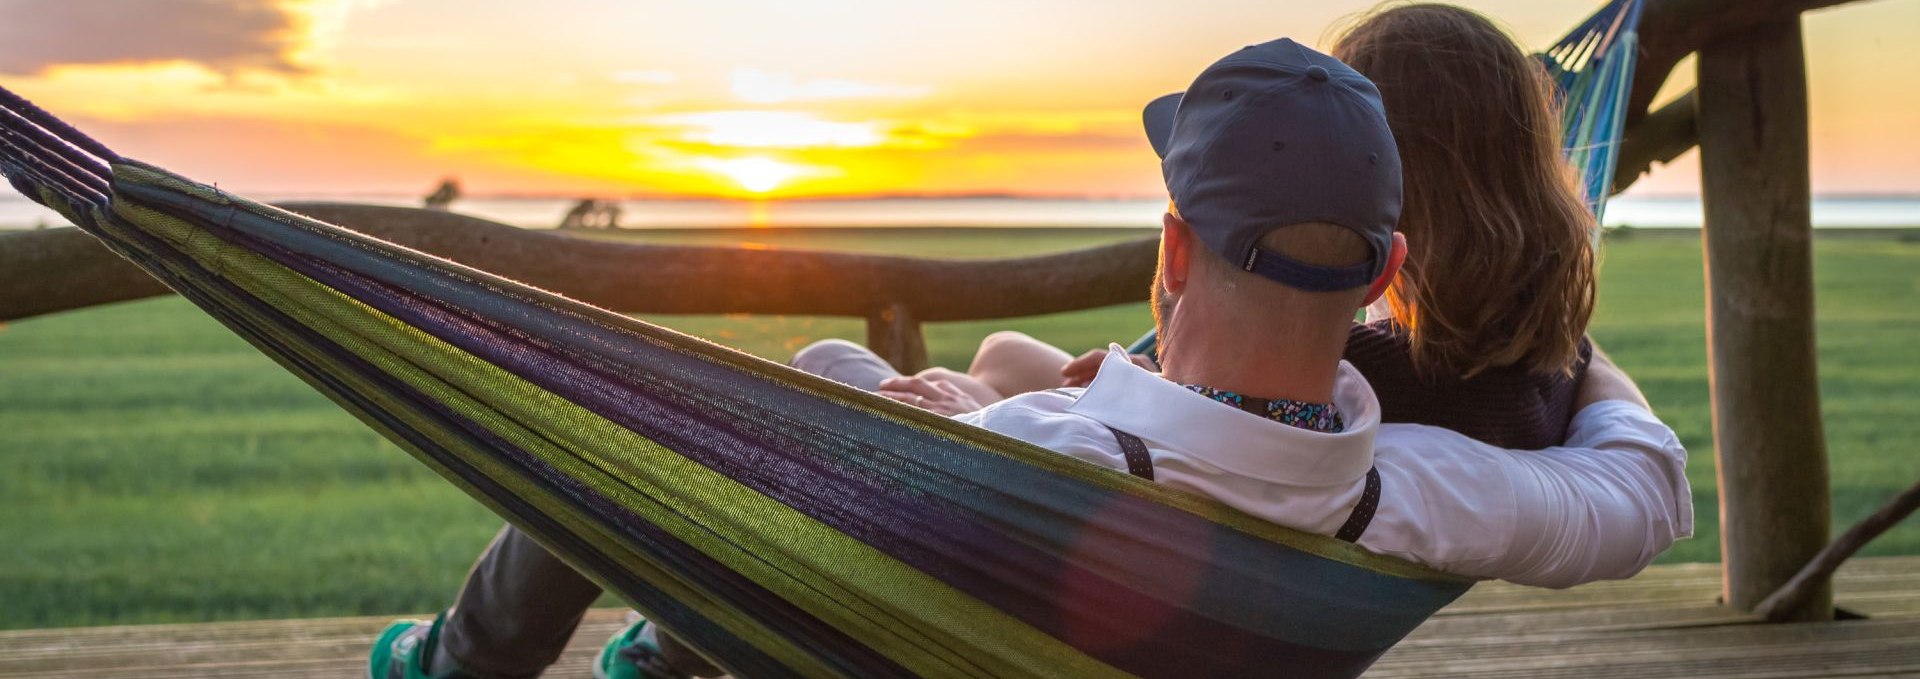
x=1304, y=276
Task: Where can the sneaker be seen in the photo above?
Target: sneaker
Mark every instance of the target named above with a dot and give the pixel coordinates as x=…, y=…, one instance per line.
x=633, y=654
x=402, y=651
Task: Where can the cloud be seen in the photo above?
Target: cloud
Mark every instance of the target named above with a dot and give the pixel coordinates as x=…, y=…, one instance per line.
x=224, y=36
x=766, y=129
x=646, y=77
x=753, y=85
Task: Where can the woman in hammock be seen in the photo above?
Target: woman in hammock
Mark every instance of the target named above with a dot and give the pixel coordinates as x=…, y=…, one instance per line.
x=1483, y=331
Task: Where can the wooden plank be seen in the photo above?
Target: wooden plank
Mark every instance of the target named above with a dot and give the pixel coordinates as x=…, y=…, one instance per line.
x=330, y=647
x=1680, y=583
x=1754, y=650
x=1618, y=643
x=1770, y=450
x=1591, y=620
x=1663, y=623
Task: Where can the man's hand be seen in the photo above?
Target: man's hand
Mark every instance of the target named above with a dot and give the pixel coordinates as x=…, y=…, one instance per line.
x=929, y=392
x=1605, y=381
x=1079, y=372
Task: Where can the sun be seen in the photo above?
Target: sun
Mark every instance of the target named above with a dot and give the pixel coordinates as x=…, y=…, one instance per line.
x=758, y=175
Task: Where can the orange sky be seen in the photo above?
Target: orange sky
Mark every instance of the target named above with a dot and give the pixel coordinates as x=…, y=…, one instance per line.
x=736, y=98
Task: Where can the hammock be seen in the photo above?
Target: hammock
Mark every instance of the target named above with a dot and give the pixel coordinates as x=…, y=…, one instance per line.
x=781, y=523
x=1591, y=69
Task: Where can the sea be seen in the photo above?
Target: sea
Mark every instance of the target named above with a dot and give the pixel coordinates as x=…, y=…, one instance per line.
x=17, y=212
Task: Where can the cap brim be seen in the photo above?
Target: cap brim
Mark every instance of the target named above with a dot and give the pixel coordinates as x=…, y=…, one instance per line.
x=1158, y=117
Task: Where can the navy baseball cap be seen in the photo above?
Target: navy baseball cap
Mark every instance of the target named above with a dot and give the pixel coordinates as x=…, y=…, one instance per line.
x=1274, y=135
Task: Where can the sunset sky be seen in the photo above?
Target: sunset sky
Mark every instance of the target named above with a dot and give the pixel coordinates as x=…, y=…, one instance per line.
x=738, y=98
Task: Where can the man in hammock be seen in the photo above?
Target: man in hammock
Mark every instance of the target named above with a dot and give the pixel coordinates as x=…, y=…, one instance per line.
x=1286, y=188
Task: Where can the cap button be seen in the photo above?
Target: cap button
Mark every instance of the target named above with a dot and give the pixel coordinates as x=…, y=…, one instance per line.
x=1317, y=73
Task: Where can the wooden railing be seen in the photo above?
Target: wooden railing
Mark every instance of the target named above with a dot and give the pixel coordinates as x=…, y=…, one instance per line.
x=56, y=270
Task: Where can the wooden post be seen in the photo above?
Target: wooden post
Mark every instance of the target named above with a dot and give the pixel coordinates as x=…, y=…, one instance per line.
x=894, y=334
x=1771, y=451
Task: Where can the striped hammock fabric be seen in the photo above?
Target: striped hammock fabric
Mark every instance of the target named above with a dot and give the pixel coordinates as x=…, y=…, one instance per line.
x=1592, y=68
x=784, y=524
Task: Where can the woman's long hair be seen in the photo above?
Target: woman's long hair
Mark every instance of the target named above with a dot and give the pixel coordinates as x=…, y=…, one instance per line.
x=1501, y=264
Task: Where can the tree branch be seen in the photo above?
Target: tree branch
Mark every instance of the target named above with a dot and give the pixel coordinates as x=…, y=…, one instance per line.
x=1818, y=571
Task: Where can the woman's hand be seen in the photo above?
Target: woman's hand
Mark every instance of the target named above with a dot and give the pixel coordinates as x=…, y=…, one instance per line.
x=1605, y=381
x=929, y=392
x=1080, y=372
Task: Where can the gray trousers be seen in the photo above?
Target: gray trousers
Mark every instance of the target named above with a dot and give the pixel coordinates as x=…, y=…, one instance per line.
x=520, y=604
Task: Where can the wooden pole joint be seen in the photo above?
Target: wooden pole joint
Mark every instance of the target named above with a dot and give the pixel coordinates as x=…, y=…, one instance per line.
x=894, y=334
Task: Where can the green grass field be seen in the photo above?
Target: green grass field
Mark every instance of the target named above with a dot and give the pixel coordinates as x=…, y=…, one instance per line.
x=155, y=468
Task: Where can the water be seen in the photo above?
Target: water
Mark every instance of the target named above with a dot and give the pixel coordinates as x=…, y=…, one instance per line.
x=17, y=212
x=1832, y=212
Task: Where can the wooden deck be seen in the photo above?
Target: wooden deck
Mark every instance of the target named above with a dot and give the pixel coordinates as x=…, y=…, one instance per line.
x=1662, y=624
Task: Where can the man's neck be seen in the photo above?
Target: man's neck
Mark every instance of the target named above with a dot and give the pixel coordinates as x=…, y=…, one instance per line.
x=1273, y=369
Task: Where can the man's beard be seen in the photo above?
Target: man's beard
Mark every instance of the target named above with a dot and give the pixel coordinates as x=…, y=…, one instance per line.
x=1162, y=304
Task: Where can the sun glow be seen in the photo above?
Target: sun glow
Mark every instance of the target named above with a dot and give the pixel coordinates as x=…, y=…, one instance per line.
x=758, y=175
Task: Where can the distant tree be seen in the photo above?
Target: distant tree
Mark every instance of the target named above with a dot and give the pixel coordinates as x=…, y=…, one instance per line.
x=444, y=195
x=592, y=213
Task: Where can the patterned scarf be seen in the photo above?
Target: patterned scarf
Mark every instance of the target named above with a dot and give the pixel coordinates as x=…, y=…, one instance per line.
x=1320, y=417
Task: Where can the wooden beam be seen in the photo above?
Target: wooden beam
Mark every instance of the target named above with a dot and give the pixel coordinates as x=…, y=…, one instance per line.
x=1669, y=31
x=1672, y=29
x=50, y=270
x=1770, y=448
x=59, y=269
x=1658, y=138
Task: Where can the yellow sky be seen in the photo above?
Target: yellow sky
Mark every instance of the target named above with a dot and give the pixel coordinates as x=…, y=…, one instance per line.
x=735, y=98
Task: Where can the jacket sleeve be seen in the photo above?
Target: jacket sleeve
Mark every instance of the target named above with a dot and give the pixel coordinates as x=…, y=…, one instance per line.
x=1602, y=506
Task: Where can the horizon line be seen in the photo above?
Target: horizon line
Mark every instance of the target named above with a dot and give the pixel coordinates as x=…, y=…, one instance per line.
x=858, y=197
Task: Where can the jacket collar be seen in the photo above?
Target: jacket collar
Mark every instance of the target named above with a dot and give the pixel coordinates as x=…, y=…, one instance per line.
x=1128, y=398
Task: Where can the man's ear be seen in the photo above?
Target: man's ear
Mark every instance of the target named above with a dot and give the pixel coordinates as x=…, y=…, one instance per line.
x=1176, y=252
x=1395, y=258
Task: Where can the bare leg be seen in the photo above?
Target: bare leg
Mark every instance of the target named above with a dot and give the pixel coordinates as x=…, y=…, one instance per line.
x=1012, y=363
